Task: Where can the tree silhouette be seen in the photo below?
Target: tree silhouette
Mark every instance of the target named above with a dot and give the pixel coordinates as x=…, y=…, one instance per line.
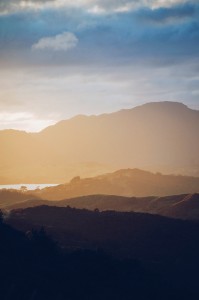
x=42, y=241
x=23, y=188
x=1, y=216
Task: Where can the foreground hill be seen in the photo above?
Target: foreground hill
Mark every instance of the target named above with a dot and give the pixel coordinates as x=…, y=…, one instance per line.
x=155, y=136
x=34, y=267
x=128, y=182
x=135, y=235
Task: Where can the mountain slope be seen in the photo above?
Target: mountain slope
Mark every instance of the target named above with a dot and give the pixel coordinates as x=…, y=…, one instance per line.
x=33, y=267
x=156, y=136
x=177, y=206
x=125, y=234
x=13, y=197
x=128, y=182
x=158, y=257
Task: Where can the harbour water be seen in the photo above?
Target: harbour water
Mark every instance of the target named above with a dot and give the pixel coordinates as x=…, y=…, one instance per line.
x=28, y=186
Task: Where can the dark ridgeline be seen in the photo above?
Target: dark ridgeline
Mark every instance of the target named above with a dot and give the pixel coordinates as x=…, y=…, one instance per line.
x=121, y=234
x=106, y=255
x=184, y=206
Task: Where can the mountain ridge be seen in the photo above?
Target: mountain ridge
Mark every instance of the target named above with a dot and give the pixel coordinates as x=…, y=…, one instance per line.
x=157, y=105
x=185, y=206
x=124, y=182
x=148, y=104
x=159, y=136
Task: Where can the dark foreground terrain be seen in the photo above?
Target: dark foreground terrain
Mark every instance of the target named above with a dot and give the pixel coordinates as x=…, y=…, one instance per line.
x=99, y=255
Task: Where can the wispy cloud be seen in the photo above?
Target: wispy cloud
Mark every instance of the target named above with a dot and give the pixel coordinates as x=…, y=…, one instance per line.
x=170, y=15
x=95, y=6
x=60, y=42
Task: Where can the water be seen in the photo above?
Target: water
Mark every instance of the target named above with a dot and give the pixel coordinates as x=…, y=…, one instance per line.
x=29, y=186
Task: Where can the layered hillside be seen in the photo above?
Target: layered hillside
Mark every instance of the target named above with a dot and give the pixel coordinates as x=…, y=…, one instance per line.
x=184, y=207
x=127, y=182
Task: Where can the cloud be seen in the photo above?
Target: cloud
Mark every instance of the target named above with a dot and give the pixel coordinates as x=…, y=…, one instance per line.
x=169, y=34
x=125, y=56
x=95, y=6
x=161, y=34
x=10, y=6
x=61, y=42
x=170, y=15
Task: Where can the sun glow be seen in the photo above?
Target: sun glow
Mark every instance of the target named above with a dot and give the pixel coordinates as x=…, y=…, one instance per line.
x=23, y=121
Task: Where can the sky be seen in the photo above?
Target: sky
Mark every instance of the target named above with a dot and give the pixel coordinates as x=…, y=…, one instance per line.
x=60, y=58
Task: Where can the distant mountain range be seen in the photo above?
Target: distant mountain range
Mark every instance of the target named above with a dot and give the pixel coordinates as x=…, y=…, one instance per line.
x=156, y=136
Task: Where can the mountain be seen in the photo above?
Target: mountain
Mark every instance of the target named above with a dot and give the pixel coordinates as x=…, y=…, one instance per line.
x=185, y=207
x=127, y=182
x=93, y=202
x=156, y=136
x=177, y=206
x=13, y=197
x=123, y=190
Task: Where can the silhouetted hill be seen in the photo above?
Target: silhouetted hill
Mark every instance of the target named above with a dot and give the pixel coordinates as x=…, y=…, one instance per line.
x=135, y=235
x=156, y=136
x=187, y=208
x=178, y=206
x=33, y=267
x=183, y=206
x=129, y=182
x=101, y=202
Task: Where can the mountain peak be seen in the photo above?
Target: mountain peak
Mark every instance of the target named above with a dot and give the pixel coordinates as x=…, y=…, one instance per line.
x=164, y=105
